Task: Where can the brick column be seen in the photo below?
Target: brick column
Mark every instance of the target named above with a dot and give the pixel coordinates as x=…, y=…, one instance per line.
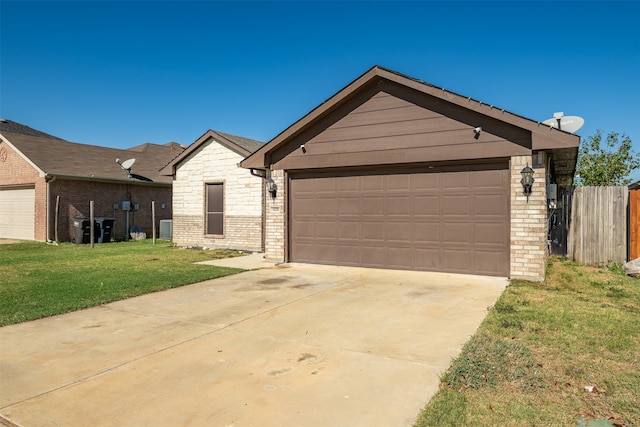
x=274, y=239
x=529, y=220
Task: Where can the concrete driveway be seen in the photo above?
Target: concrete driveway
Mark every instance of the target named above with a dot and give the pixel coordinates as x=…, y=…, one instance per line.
x=291, y=345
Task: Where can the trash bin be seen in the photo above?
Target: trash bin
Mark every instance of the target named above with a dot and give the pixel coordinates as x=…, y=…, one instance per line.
x=82, y=231
x=105, y=226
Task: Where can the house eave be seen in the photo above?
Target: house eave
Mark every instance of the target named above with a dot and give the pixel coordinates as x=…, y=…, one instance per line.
x=543, y=137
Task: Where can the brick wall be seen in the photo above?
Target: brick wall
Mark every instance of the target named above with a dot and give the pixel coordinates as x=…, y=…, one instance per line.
x=528, y=220
x=275, y=224
x=15, y=171
x=243, y=193
x=75, y=198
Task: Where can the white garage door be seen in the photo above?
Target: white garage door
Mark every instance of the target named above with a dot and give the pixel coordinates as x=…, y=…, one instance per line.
x=17, y=217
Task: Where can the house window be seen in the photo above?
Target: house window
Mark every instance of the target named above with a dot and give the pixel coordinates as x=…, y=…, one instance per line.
x=215, y=209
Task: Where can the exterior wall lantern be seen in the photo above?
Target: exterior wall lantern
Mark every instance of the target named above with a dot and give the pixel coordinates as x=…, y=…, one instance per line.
x=527, y=180
x=272, y=188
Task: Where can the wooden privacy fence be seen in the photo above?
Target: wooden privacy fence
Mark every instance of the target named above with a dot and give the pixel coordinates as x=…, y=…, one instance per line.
x=634, y=224
x=598, y=231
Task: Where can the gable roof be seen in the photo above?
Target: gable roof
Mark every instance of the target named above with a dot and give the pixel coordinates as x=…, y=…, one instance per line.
x=56, y=157
x=238, y=144
x=543, y=137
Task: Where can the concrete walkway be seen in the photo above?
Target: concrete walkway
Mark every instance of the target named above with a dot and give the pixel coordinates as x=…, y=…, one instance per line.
x=292, y=345
x=252, y=261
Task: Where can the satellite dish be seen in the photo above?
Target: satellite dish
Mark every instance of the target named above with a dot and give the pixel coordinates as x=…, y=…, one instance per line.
x=566, y=123
x=128, y=163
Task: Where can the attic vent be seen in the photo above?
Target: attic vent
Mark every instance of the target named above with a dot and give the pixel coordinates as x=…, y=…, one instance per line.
x=4, y=120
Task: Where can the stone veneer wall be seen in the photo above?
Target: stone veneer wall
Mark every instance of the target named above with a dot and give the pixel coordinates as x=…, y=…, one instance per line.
x=275, y=224
x=529, y=220
x=214, y=163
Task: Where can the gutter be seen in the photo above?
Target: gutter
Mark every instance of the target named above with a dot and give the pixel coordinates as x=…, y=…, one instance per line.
x=260, y=173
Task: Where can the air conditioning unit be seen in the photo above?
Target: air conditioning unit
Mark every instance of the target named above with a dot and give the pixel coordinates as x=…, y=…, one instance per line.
x=166, y=229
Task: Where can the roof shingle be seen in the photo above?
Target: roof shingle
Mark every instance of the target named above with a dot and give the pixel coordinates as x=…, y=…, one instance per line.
x=55, y=156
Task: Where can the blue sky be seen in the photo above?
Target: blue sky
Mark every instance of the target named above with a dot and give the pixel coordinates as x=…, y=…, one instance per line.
x=122, y=73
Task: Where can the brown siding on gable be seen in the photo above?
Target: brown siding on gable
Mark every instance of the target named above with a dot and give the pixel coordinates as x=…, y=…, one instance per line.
x=388, y=123
x=453, y=219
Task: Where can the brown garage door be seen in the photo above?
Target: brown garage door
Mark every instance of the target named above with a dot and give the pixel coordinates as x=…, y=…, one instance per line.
x=453, y=219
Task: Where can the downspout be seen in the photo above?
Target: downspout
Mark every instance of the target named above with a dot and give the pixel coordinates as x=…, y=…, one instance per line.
x=261, y=173
x=49, y=179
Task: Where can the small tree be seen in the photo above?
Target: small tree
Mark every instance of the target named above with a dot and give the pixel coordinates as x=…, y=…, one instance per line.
x=608, y=165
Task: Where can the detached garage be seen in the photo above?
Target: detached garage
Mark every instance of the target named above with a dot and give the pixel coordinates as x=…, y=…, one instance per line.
x=392, y=172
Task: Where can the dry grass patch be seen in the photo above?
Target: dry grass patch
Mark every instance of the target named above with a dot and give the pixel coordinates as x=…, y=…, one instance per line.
x=540, y=346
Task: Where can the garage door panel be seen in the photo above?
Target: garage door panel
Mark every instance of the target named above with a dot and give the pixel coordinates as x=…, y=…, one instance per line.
x=456, y=181
x=399, y=231
x=304, y=229
x=326, y=253
x=349, y=254
x=438, y=220
x=490, y=233
x=374, y=231
x=374, y=255
x=372, y=206
x=489, y=205
x=426, y=205
x=372, y=183
x=456, y=205
x=457, y=232
x=306, y=208
x=348, y=206
x=348, y=184
x=426, y=181
x=306, y=251
x=400, y=257
x=429, y=259
x=487, y=180
x=322, y=206
x=323, y=186
x=458, y=260
x=484, y=259
x=401, y=182
x=326, y=230
x=399, y=206
x=350, y=230
x=426, y=233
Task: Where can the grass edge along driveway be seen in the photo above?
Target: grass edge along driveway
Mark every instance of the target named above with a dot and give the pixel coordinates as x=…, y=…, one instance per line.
x=558, y=353
x=39, y=280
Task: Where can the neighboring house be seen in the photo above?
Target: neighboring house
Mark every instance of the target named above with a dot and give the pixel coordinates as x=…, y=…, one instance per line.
x=392, y=172
x=217, y=204
x=47, y=182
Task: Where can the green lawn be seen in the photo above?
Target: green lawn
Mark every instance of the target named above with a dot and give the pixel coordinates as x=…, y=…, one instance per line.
x=540, y=346
x=39, y=280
